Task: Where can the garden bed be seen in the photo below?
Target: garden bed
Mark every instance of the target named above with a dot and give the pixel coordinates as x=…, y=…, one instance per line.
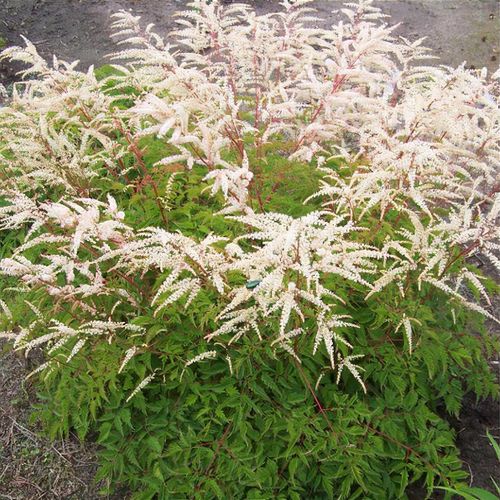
x=372, y=426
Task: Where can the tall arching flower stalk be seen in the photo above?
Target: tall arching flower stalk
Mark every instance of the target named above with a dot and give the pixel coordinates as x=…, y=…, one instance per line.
x=404, y=158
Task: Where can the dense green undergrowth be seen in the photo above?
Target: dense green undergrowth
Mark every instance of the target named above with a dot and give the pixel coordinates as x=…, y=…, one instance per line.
x=265, y=431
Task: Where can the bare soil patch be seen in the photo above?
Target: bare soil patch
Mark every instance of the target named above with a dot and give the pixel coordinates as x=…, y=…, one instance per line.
x=31, y=466
x=457, y=30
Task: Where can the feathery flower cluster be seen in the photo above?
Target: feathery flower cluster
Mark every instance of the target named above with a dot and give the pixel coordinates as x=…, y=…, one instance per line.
x=396, y=142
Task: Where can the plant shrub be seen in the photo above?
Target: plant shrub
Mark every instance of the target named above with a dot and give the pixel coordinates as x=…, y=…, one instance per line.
x=251, y=258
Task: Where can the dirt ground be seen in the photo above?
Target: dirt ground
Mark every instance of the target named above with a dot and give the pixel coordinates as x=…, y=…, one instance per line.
x=477, y=454
x=32, y=467
x=458, y=30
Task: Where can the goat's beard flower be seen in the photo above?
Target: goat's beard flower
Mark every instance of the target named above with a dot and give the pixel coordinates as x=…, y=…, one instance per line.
x=390, y=136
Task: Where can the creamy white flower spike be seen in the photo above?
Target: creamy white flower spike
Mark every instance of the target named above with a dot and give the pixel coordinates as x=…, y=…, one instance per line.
x=390, y=137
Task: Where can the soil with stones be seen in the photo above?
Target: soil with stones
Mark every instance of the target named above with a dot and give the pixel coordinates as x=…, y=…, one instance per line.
x=31, y=467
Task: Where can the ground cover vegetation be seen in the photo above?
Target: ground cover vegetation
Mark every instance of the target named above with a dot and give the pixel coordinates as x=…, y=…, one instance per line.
x=250, y=258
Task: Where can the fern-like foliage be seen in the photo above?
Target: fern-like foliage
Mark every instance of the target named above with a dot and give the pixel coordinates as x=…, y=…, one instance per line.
x=157, y=190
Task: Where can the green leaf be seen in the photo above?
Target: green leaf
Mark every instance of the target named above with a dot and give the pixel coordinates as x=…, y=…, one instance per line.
x=292, y=468
x=494, y=443
x=154, y=444
x=470, y=493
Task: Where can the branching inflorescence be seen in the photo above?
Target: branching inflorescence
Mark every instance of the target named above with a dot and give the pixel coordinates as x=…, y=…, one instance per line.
x=397, y=143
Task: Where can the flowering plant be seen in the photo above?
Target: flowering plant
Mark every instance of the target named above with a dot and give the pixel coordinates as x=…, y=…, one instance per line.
x=263, y=193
